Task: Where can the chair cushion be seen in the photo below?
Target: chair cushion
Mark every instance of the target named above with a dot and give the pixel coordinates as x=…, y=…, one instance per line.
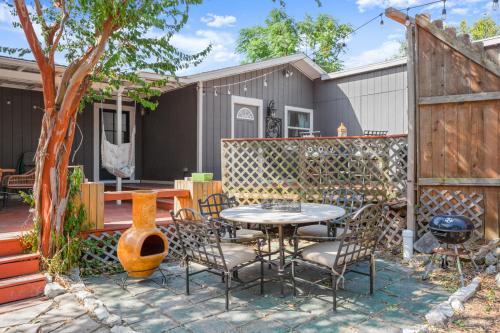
x=324, y=253
x=313, y=230
x=236, y=254
x=317, y=230
x=248, y=234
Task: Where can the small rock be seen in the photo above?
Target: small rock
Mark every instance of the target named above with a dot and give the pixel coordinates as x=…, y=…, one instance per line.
x=436, y=318
x=90, y=303
x=76, y=287
x=82, y=295
x=113, y=320
x=122, y=329
x=497, y=279
x=48, y=278
x=464, y=293
x=457, y=305
x=491, y=269
x=426, y=243
x=416, y=329
x=74, y=274
x=53, y=289
x=101, y=313
x=490, y=259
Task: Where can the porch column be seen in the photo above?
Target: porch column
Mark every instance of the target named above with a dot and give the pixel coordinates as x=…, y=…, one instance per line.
x=119, y=138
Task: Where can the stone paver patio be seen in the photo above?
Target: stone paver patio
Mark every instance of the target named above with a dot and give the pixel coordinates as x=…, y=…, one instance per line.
x=400, y=300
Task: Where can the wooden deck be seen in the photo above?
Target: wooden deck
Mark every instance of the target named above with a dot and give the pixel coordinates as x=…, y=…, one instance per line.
x=15, y=217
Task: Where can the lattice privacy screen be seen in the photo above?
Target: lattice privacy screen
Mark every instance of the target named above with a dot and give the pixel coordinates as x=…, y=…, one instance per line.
x=437, y=202
x=255, y=169
x=107, y=243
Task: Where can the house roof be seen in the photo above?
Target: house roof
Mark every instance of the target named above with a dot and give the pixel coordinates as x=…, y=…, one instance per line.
x=365, y=69
x=24, y=74
x=300, y=61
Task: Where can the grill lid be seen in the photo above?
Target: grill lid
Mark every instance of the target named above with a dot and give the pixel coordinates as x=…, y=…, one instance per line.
x=453, y=223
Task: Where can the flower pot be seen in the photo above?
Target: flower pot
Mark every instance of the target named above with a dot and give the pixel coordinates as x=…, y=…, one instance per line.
x=142, y=247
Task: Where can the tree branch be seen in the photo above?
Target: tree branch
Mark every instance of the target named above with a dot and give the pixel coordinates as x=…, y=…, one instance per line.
x=27, y=24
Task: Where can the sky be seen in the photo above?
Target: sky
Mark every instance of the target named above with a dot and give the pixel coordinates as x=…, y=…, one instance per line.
x=218, y=22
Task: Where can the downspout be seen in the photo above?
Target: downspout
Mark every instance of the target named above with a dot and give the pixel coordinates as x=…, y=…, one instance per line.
x=199, y=127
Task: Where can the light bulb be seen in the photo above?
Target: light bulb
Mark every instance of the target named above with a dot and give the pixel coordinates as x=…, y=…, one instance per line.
x=407, y=19
x=443, y=12
x=265, y=81
x=215, y=92
x=245, y=87
x=381, y=20
x=495, y=5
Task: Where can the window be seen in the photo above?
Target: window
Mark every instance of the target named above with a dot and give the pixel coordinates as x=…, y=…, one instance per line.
x=297, y=120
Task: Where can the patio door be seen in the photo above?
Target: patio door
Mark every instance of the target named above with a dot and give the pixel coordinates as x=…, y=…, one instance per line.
x=246, y=116
x=106, y=115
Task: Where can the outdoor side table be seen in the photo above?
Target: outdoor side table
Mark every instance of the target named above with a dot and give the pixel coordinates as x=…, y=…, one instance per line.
x=255, y=214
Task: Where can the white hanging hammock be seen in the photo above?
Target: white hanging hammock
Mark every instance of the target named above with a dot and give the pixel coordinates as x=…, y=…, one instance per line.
x=118, y=159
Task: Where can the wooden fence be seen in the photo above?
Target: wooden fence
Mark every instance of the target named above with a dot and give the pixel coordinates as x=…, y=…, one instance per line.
x=454, y=120
x=302, y=168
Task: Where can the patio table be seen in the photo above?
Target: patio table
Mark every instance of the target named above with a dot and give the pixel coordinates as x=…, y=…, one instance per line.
x=255, y=214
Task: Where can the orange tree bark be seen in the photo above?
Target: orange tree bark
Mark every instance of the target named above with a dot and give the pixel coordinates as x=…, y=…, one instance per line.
x=58, y=125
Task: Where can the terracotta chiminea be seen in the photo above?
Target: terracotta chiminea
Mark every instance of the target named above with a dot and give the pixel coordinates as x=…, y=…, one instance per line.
x=142, y=247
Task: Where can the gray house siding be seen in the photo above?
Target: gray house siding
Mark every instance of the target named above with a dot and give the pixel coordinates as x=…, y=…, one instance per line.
x=20, y=123
x=169, y=136
x=374, y=100
x=296, y=90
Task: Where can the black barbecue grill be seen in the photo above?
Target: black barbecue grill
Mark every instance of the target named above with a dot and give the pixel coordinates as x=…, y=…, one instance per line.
x=451, y=230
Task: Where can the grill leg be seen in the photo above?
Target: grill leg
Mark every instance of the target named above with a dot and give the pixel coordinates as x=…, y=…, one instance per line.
x=293, y=279
x=459, y=266
x=268, y=235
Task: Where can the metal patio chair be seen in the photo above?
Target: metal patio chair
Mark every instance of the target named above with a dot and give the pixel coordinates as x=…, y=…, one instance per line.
x=338, y=256
x=24, y=181
x=201, y=244
x=348, y=199
x=214, y=204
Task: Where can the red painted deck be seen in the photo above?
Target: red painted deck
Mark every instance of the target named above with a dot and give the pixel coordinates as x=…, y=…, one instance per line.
x=15, y=217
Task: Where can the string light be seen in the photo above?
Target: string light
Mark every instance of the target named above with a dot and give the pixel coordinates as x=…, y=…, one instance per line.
x=215, y=92
x=265, y=81
x=229, y=91
x=381, y=19
x=245, y=87
x=443, y=12
x=495, y=5
x=407, y=19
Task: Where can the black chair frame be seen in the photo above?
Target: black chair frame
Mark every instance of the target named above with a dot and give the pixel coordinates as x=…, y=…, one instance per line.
x=358, y=244
x=200, y=242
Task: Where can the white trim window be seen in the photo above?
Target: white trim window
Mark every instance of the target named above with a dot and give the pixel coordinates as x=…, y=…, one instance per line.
x=297, y=120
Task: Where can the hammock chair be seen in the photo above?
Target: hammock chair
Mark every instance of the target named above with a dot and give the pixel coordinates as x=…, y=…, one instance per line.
x=118, y=159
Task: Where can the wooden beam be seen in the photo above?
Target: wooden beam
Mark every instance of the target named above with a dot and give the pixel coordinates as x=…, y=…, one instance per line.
x=127, y=195
x=475, y=97
x=397, y=15
x=459, y=181
x=412, y=131
x=458, y=46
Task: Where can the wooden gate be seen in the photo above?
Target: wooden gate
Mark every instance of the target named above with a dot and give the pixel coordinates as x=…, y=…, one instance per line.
x=454, y=95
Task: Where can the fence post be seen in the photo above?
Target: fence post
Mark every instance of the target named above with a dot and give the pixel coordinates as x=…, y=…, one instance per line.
x=197, y=190
x=92, y=197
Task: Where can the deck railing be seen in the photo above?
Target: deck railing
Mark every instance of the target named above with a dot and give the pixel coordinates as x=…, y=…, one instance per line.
x=256, y=169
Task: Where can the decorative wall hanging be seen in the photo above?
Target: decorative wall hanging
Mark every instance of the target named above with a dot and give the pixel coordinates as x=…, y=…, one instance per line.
x=273, y=127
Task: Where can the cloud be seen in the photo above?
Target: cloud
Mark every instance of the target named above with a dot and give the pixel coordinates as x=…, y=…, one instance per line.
x=218, y=21
x=369, y=4
x=382, y=53
x=221, y=55
x=460, y=11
